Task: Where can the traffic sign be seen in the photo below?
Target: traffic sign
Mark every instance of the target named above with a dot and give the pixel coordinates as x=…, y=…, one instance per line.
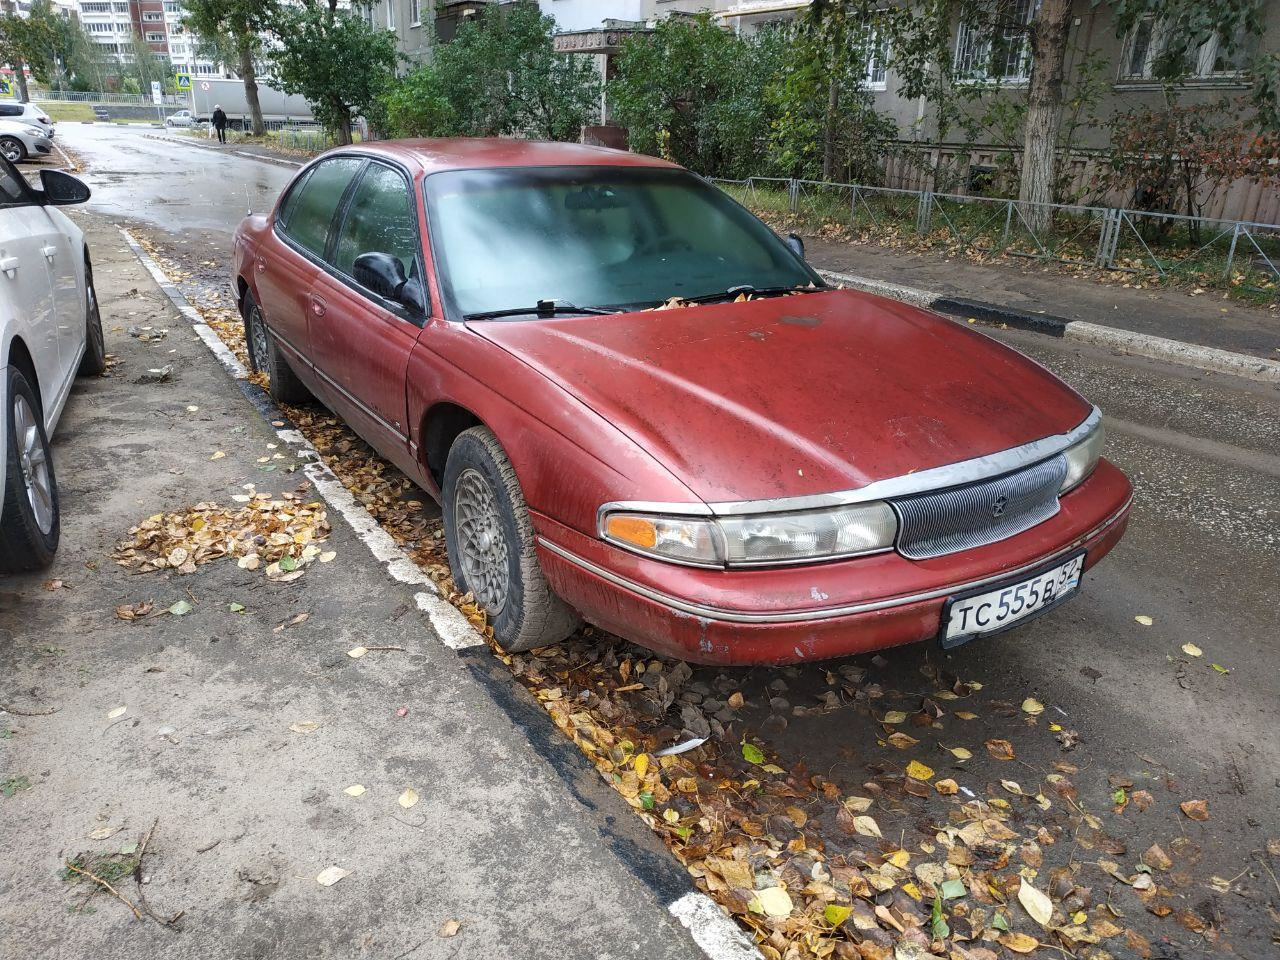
x=6, y=88
x=204, y=85
x=182, y=81
x=157, y=93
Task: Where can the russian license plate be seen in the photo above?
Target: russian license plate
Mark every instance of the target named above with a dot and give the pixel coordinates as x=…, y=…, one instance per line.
x=980, y=614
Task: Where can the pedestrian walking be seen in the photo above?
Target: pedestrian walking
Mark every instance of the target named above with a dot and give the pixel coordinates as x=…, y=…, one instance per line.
x=220, y=122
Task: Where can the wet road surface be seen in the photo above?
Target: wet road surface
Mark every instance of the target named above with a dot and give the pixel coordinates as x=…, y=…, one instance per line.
x=1201, y=559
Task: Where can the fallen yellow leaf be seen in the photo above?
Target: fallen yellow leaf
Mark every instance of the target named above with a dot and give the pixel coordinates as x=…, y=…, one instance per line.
x=919, y=771
x=409, y=798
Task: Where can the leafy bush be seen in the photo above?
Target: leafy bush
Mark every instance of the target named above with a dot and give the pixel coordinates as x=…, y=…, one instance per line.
x=500, y=76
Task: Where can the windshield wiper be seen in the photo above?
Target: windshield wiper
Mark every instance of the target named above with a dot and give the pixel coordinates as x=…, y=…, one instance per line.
x=543, y=308
x=752, y=291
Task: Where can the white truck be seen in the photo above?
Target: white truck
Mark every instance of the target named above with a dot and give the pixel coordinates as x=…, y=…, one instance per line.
x=277, y=107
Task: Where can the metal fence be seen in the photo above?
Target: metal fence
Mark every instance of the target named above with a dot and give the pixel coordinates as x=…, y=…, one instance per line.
x=1242, y=254
x=71, y=96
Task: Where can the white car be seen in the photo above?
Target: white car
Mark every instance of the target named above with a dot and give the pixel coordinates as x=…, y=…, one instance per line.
x=29, y=114
x=182, y=118
x=50, y=330
x=21, y=141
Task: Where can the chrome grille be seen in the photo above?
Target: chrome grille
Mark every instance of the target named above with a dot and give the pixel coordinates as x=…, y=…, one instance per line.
x=935, y=524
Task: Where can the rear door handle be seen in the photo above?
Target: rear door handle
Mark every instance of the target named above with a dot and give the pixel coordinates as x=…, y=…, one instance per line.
x=49, y=252
x=318, y=306
x=9, y=265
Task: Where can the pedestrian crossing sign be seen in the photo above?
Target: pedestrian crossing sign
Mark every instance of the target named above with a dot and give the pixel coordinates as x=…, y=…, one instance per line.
x=6, y=88
x=182, y=81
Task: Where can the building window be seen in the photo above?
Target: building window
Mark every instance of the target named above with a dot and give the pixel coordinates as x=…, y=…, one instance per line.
x=152, y=17
x=415, y=13
x=1151, y=39
x=877, y=60
x=155, y=38
x=999, y=52
x=391, y=14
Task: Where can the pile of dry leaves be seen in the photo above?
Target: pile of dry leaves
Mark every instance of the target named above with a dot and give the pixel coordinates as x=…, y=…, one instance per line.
x=281, y=535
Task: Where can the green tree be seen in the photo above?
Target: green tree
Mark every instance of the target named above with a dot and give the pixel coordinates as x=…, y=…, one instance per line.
x=500, y=75
x=140, y=63
x=30, y=41
x=232, y=31
x=922, y=48
x=696, y=93
x=334, y=58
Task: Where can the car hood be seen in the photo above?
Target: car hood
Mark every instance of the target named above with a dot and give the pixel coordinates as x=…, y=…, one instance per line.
x=794, y=396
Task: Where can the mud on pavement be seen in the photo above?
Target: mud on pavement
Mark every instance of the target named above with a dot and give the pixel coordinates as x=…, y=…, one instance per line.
x=218, y=717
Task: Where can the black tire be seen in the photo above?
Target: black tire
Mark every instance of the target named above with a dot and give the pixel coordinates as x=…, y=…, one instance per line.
x=265, y=357
x=13, y=149
x=528, y=615
x=24, y=543
x=94, y=361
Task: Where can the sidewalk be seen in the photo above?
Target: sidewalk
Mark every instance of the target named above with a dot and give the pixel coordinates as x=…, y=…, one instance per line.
x=1040, y=290
x=238, y=727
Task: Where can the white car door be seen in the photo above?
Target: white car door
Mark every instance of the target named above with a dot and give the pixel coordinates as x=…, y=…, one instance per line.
x=26, y=290
x=64, y=258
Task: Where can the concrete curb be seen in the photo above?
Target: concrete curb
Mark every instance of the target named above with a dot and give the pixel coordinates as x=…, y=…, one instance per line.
x=715, y=933
x=248, y=154
x=1210, y=359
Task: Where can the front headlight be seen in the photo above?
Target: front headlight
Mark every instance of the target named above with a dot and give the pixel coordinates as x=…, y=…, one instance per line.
x=757, y=539
x=1082, y=458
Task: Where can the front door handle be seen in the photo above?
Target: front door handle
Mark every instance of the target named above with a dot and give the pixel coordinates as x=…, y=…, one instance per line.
x=49, y=252
x=318, y=306
x=9, y=266
x=262, y=263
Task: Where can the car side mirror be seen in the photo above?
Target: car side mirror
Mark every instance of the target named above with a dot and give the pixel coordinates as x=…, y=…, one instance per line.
x=382, y=273
x=795, y=244
x=62, y=189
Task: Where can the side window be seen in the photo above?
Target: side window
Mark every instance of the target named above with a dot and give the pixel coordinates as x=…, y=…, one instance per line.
x=291, y=201
x=10, y=110
x=13, y=189
x=379, y=219
x=310, y=216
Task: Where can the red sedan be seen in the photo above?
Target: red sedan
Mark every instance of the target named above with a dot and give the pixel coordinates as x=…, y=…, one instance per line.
x=638, y=406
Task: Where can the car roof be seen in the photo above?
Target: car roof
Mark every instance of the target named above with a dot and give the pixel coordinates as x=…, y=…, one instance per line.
x=462, y=153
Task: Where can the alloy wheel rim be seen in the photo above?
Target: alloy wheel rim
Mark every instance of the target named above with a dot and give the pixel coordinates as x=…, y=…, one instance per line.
x=10, y=151
x=258, y=338
x=33, y=464
x=482, y=545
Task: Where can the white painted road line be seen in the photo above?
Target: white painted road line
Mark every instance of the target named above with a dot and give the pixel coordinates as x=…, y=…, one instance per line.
x=719, y=937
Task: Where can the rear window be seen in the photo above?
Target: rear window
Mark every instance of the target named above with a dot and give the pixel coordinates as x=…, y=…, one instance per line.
x=309, y=209
x=10, y=110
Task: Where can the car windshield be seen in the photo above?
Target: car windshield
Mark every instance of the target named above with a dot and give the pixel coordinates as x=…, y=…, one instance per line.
x=595, y=237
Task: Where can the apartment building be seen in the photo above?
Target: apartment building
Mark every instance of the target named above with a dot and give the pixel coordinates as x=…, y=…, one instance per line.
x=113, y=25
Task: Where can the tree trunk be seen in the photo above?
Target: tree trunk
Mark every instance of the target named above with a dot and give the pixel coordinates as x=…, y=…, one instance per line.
x=829, y=129
x=1044, y=110
x=343, y=115
x=251, y=89
x=20, y=77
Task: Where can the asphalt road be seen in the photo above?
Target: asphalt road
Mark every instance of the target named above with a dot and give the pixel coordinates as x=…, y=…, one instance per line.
x=1201, y=559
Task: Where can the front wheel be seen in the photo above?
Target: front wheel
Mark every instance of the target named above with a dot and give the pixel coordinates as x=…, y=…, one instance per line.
x=12, y=149
x=29, y=515
x=492, y=549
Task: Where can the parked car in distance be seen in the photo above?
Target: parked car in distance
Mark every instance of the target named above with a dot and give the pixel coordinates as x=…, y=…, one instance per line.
x=29, y=114
x=182, y=118
x=21, y=141
x=638, y=406
x=50, y=330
